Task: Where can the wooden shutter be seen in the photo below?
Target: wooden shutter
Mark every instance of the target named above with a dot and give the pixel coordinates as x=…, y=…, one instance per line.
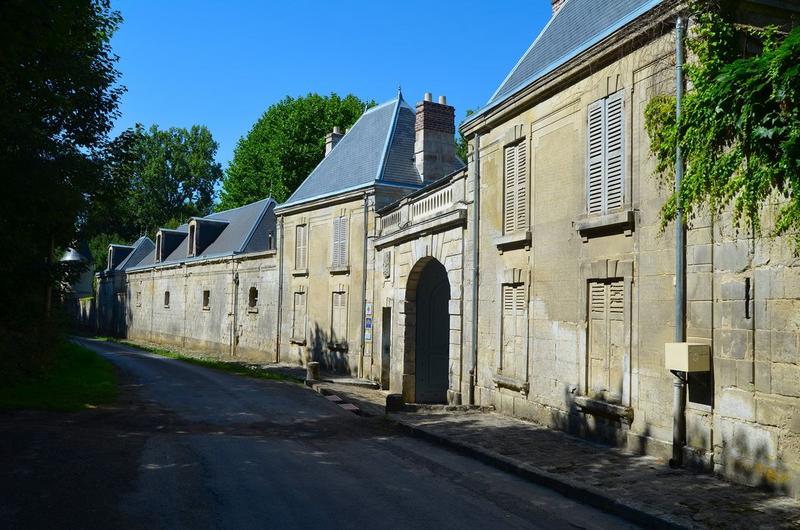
x=342, y=241
x=335, y=243
x=301, y=246
x=596, y=157
x=614, y=146
x=509, y=190
x=521, y=207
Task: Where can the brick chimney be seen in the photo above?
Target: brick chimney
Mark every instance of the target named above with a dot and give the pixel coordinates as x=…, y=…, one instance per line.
x=434, y=144
x=332, y=138
x=557, y=5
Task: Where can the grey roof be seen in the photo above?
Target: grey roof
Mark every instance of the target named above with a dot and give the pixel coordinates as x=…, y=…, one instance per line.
x=141, y=248
x=234, y=239
x=378, y=147
x=576, y=27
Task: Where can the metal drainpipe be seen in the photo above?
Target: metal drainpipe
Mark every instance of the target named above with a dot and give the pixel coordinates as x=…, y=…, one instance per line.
x=364, y=288
x=476, y=207
x=234, y=341
x=679, y=382
x=280, y=294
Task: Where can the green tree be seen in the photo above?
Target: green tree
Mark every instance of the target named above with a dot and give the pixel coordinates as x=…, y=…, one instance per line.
x=740, y=122
x=58, y=97
x=461, y=142
x=157, y=178
x=284, y=146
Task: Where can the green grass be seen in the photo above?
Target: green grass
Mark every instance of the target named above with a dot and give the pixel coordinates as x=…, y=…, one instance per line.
x=238, y=368
x=78, y=379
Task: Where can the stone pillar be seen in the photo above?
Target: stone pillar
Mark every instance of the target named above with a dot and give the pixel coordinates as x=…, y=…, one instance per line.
x=434, y=143
x=332, y=138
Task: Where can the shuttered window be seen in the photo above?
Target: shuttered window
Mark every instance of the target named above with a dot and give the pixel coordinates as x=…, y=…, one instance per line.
x=606, y=163
x=301, y=247
x=514, y=327
x=515, y=188
x=606, y=339
x=299, y=315
x=340, y=239
x=339, y=317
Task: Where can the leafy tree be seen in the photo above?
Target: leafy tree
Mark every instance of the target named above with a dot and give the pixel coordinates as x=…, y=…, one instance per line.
x=157, y=178
x=284, y=146
x=58, y=97
x=740, y=123
x=461, y=142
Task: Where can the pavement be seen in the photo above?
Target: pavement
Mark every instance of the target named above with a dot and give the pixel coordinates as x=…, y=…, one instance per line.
x=640, y=489
x=191, y=447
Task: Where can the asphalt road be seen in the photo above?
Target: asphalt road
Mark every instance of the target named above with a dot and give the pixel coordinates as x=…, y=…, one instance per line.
x=189, y=447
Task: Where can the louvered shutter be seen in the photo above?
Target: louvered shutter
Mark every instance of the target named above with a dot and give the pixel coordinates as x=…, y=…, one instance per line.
x=616, y=300
x=521, y=207
x=614, y=146
x=596, y=157
x=509, y=190
x=335, y=243
x=343, y=241
x=301, y=247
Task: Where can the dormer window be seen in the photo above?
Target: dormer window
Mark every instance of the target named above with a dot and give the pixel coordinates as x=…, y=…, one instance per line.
x=110, y=258
x=158, y=247
x=192, y=239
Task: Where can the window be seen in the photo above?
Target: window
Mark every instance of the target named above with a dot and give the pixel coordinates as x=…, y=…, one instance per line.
x=270, y=245
x=515, y=188
x=339, y=318
x=339, y=252
x=206, y=300
x=158, y=248
x=192, y=244
x=514, y=332
x=606, y=163
x=110, y=258
x=301, y=247
x=138, y=298
x=606, y=339
x=166, y=298
x=299, y=316
x=252, y=298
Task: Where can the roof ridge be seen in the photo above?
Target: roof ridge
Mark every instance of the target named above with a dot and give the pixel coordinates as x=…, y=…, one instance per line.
x=387, y=145
x=237, y=208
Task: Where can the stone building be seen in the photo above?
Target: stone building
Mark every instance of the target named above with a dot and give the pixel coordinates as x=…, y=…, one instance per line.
x=328, y=227
x=536, y=280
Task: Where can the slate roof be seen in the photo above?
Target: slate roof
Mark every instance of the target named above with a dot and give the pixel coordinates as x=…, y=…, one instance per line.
x=234, y=239
x=141, y=248
x=379, y=147
x=576, y=27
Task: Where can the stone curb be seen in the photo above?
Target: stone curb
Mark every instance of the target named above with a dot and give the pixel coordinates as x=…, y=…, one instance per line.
x=585, y=494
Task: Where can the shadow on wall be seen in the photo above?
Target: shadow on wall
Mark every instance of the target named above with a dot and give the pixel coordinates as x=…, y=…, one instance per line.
x=749, y=460
x=331, y=356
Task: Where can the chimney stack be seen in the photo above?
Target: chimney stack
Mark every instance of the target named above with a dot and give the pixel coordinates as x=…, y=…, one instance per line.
x=434, y=143
x=557, y=5
x=332, y=138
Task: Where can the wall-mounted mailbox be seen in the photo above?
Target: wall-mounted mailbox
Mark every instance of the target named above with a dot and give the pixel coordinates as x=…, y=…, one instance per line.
x=687, y=357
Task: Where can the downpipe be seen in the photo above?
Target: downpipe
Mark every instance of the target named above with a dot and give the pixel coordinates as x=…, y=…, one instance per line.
x=679, y=381
x=476, y=211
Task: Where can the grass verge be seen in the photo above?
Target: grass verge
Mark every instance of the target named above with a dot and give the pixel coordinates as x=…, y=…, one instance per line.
x=233, y=367
x=78, y=379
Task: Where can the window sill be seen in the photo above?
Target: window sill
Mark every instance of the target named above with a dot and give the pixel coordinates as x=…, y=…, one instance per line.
x=338, y=346
x=206, y=309
x=340, y=270
x=166, y=307
x=511, y=383
x=252, y=310
x=295, y=340
x=513, y=240
x=605, y=224
x=604, y=408
x=300, y=272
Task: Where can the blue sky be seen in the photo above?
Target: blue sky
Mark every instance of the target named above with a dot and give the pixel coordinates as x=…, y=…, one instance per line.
x=221, y=64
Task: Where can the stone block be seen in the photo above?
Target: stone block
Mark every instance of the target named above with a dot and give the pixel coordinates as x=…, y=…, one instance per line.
x=699, y=255
x=737, y=403
x=725, y=372
x=763, y=381
x=698, y=286
x=786, y=379
x=744, y=375
x=733, y=344
x=700, y=315
x=784, y=347
x=732, y=290
x=732, y=256
x=775, y=412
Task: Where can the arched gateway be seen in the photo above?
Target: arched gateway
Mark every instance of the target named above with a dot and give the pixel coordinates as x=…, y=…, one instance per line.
x=429, y=290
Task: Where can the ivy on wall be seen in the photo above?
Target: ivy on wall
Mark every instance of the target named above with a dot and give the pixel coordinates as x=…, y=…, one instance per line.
x=740, y=122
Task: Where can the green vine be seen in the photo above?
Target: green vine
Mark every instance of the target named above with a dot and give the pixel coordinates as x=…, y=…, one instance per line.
x=740, y=123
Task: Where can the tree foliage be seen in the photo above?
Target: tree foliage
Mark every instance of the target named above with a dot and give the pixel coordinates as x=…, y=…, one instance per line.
x=284, y=146
x=740, y=122
x=160, y=178
x=58, y=97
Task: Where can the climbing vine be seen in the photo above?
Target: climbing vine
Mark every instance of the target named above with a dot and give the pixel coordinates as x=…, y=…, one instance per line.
x=740, y=123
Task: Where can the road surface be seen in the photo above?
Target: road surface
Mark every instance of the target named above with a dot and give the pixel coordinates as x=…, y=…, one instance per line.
x=194, y=448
